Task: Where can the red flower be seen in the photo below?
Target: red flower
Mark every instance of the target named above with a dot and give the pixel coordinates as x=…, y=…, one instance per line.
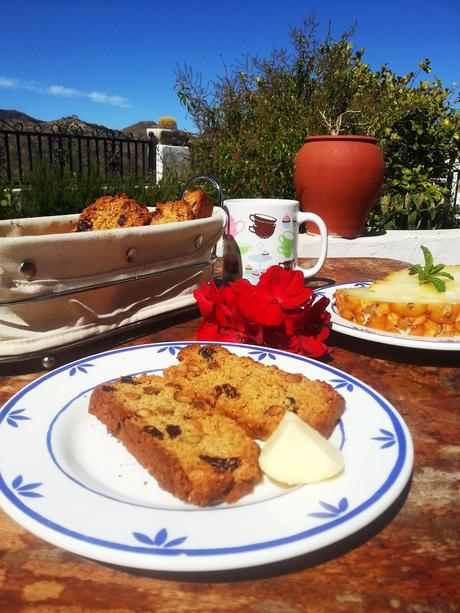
x=277, y=312
x=278, y=291
x=207, y=297
x=286, y=286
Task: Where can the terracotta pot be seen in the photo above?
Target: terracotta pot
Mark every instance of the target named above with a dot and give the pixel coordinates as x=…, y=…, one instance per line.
x=339, y=178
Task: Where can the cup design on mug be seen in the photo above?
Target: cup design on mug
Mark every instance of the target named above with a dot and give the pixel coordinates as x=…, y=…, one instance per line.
x=286, y=221
x=235, y=225
x=243, y=248
x=286, y=241
x=264, y=225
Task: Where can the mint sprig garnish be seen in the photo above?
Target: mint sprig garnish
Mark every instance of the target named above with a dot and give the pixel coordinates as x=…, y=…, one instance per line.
x=430, y=273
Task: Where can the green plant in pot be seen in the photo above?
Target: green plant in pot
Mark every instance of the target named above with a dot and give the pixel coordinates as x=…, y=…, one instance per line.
x=339, y=177
x=339, y=170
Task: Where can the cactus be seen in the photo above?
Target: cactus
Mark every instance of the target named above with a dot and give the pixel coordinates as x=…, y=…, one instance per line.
x=168, y=123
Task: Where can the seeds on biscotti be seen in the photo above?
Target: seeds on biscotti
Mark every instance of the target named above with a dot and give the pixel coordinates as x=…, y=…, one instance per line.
x=180, y=396
x=144, y=412
x=192, y=438
x=164, y=410
x=150, y=390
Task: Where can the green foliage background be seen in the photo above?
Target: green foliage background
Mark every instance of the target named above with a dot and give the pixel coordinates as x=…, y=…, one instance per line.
x=55, y=190
x=253, y=120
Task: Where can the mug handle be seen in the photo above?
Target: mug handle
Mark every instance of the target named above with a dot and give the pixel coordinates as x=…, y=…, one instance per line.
x=319, y=223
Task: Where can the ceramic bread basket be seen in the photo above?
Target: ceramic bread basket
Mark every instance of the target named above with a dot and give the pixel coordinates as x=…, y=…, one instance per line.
x=59, y=288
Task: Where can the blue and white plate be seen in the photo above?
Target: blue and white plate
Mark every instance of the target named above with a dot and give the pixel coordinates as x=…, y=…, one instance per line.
x=344, y=326
x=63, y=478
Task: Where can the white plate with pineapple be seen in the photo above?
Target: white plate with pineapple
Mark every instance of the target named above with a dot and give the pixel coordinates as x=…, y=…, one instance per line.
x=417, y=307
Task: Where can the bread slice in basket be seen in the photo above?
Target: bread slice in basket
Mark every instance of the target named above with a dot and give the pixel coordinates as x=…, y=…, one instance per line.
x=398, y=303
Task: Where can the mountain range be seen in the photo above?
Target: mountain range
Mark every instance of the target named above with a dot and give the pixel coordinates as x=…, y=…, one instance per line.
x=12, y=116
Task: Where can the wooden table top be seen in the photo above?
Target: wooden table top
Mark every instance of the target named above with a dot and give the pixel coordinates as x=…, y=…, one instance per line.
x=408, y=560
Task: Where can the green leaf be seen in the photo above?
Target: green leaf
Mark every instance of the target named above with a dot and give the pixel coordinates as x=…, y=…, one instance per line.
x=416, y=269
x=445, y=274
x=428, y=257
x=439, y=284
x=430, y=273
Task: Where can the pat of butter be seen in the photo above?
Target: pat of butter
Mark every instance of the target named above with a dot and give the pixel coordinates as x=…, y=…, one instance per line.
x=296, y=453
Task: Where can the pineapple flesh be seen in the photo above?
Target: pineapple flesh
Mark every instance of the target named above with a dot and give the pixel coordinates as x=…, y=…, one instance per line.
x=398, y=303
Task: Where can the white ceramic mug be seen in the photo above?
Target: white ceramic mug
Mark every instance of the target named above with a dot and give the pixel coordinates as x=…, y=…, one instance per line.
x=262, y=232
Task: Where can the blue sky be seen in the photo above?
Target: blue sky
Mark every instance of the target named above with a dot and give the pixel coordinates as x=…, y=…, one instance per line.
x=113, y=62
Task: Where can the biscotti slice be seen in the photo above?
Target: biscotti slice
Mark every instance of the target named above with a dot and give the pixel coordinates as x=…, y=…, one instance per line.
x=168, y=212
x=198, y=456
x=253, y=394
x=200, y=202
x=113, y=212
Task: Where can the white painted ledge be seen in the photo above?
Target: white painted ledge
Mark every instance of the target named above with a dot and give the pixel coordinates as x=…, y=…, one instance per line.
x=394, y=244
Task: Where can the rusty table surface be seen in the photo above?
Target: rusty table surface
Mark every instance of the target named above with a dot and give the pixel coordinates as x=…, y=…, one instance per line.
x=407, y=560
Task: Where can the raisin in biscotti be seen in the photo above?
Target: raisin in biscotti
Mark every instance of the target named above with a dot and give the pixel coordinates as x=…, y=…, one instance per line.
x=253, y=394
x=197, y=456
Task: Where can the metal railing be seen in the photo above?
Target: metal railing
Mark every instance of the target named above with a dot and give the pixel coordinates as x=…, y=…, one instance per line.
x=79, y=149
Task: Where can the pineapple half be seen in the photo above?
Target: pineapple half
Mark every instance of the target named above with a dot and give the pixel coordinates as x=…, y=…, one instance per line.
x=399, y=303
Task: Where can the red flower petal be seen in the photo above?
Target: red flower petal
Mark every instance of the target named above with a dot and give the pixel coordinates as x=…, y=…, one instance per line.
x=286, y=286
x=206, y=331
x=256, y=308
x=207, y=296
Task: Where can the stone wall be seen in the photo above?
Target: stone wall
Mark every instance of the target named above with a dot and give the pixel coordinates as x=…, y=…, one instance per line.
x=172, y=153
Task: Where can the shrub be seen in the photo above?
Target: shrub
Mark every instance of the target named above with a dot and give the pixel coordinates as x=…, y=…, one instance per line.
x=53, y=190
x=253, y=120
x=411, y=211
